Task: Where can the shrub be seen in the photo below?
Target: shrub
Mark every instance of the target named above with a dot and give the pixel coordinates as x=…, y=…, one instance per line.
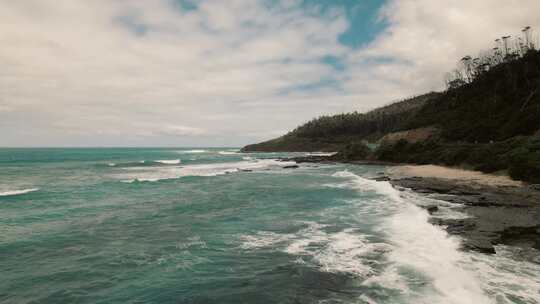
x=355, y=151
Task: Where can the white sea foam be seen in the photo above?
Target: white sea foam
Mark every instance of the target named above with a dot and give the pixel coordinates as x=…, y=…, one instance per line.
x=348, y=252
x=425, y=248
x=229, y=152
x=111, y=164
x=196, y=151
x=162, y=173
x=321, y=153
x=18, y=192
x=169, y=161
x=194, y=241
x=345, y=251
x=389, y=278
x=262, y=239
x=429, y=249
x=366, y=185
x=510, y=274
x=421, y=261
x=367, y=299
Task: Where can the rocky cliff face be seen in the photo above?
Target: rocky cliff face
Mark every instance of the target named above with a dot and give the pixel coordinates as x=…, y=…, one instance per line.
x=411, y=136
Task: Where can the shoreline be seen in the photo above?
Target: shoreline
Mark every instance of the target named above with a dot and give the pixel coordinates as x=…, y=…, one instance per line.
x=499, y=210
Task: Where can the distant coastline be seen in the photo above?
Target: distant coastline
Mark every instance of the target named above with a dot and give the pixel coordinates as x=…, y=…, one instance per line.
x=491, y=123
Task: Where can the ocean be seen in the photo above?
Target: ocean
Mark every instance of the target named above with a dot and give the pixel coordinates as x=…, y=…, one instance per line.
x=213, y=225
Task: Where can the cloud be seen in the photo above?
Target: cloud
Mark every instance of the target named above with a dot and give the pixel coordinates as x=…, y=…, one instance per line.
x=426, y=38
x=143, y=72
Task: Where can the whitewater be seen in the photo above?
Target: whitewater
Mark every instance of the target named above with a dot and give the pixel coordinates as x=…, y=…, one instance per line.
x=214, y=225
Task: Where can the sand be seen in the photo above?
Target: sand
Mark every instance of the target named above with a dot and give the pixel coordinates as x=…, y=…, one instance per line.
x=459, y=175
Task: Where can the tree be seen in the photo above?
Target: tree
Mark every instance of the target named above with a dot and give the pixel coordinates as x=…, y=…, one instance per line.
x=527, y=34
x=505, y=43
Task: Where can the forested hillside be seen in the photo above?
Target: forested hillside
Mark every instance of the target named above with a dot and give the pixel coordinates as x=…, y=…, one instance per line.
x=489, y=124
x=488, y=119
x=499, y=104
x=331, y=133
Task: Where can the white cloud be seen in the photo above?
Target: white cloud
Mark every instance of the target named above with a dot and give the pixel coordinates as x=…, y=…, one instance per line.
x=425, y=38
x=147, y=72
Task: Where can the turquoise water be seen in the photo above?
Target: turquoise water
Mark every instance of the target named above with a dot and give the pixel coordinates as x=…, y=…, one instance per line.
x=217, y=226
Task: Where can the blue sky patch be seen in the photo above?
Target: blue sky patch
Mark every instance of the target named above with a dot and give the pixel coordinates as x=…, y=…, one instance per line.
x=362, y=15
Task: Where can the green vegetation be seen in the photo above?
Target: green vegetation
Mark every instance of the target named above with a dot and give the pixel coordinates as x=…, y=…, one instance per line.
x=519, y=156
x=354, y=151
x=332, y=133
x=499, y=104
x=488, y=120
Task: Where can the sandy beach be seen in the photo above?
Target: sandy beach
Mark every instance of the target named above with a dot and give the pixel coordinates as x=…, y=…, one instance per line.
x=457, y=175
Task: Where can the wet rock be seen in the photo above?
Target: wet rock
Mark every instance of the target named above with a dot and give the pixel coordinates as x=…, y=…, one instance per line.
x=498, y=215
x=432, y=209
x=291, y=167
x=311, y=159
x=454, y=226
x=535, y=187
x=521, y=237
x=483, y=247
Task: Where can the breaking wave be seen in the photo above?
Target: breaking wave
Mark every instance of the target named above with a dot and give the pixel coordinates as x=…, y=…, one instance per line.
x=346, y=251
x=18, y=192
x=195, y=151
x=153, y=174
x=421, y=247
x=169, y=161
x=452, y=275
x=229, y=152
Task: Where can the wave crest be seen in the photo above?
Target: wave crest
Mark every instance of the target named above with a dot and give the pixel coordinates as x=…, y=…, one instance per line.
x=345, y=251
x=195, y=151
x=153, y=174
x=169, y=161
x=18, y=192
x=419, y=245
x=229, y=153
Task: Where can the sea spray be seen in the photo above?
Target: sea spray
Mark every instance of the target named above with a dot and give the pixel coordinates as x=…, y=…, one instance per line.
x=420, y=246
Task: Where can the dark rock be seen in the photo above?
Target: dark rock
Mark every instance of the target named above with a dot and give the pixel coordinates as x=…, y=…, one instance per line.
x=426, y=191
x=291, y=167
x=486, y=248
x=454, y=226
x=312, y=159
x=520, y=236
x=432, y=209
x=535, y=187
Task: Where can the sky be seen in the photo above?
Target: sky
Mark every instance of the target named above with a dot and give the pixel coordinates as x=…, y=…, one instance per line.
x=224, y=73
